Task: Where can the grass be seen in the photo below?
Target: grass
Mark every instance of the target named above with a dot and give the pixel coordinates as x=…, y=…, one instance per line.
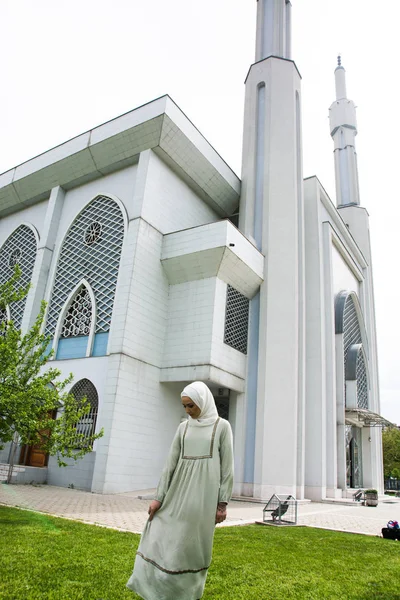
x=44, y=557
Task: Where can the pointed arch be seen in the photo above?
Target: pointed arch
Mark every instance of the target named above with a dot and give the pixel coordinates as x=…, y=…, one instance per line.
x=350, y=326
x=91, y=249
x=19, y=248
x=77, y=317
x=348, y=313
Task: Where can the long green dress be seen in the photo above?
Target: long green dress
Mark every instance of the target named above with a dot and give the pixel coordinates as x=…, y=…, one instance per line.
x=176, y=546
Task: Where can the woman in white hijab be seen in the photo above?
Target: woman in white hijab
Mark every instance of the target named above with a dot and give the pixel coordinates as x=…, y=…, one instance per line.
x=176, y=546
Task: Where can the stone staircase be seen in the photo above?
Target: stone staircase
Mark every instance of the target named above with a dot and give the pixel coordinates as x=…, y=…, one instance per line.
x=4, y=471
x=24, y=475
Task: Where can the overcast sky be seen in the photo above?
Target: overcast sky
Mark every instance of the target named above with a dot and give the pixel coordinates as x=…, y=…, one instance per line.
x=69, y=65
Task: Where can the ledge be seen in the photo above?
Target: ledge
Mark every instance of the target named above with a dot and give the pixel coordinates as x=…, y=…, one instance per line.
x=158, y=125
x=204, y=373
x=214, y=250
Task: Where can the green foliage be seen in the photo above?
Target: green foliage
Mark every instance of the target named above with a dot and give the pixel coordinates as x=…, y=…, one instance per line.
x=31, y=392
x=58, y=559
x=391, y=452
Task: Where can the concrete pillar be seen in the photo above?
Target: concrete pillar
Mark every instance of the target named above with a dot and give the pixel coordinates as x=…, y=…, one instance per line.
x=272, y=197
x=44, y=257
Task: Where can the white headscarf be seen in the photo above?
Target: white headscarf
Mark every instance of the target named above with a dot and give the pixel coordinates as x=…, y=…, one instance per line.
x=202, y=396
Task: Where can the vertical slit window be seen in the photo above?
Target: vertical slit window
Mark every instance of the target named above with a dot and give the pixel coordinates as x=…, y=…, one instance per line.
x=260, y=162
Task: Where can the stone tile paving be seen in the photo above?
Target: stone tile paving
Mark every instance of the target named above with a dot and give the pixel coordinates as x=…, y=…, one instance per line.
x=121, y=511
x=127, y=512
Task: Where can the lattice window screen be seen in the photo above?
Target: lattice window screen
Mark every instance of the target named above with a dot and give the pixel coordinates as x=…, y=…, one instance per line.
x=20, y=248
x=236, y=320
x=3, y=319
x=79, y=315
x=351, y=326
x=222, y=405
x=91, y=250
x=362, y=381
x=85, y=388
x=352, y=335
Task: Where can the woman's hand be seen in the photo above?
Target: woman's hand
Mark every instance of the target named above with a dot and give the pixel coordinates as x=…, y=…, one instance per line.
x=221, y=512
x=153, y=508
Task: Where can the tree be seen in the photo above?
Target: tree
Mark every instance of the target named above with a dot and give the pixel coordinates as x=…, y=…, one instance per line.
x=391, y=452
x=31, y=393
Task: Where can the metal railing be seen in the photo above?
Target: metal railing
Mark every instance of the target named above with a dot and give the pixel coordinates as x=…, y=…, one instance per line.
x=392, y=485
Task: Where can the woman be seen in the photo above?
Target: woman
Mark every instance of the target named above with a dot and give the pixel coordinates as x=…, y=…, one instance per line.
x=176, y=546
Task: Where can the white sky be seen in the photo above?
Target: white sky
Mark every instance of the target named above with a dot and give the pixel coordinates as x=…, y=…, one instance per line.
x=69, y=65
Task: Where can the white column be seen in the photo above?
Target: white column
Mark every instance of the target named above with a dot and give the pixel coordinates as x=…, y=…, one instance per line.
x=237, y=419
x=273, y=29
x=340, y=414
x=315, y=423
x=43, y=257
x=275, y=151
x=128, y=255
x=332, y=490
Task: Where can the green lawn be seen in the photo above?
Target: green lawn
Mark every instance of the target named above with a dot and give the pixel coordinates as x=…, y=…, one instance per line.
x=43, y=557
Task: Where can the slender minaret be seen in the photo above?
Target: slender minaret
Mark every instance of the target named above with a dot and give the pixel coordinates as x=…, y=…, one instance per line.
x=271, y=214
x=343, y=124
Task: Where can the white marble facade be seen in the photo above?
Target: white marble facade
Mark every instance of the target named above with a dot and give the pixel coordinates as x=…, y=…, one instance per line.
x=161, y=267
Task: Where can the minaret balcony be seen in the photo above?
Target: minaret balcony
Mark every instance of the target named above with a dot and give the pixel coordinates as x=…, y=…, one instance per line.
x=342, y=113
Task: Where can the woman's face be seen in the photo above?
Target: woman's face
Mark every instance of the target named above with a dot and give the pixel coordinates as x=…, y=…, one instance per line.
x=190, y=407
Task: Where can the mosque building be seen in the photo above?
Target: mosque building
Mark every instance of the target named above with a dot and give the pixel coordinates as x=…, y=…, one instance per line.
x=160, y=267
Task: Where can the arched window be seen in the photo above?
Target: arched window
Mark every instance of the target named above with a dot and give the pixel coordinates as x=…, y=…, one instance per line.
x=91, y=250
x=349, y=322
x=85, y=388
x=357, y=377
x=20, y=248
x=78, y=319
x=74, y=331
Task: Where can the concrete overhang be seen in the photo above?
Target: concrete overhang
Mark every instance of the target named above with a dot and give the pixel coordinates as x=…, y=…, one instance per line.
x=207, y=373
x=213, y=250
x=159, y=125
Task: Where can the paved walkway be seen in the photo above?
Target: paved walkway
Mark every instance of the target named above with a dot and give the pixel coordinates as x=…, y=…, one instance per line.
x=128, y=512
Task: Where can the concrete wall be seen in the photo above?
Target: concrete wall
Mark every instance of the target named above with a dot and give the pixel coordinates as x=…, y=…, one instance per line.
x=77, y=474
x=35, y=215
x=190, y=323
x=343, y=277
x=143, y=415
x=168, y=202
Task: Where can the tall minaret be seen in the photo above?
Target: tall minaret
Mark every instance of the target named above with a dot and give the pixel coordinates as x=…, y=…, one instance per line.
x=343, y=124
x=273, y=29
x=343, y=127
x=271, y=214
